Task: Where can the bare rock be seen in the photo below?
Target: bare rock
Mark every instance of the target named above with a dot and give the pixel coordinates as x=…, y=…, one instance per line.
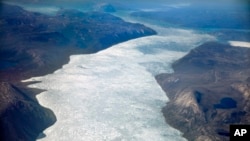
x=208, y=91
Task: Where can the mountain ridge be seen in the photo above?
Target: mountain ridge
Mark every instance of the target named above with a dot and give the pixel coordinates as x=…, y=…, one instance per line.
x=208, y=91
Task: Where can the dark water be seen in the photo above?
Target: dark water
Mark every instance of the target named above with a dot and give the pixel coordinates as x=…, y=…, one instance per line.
x=226, y=103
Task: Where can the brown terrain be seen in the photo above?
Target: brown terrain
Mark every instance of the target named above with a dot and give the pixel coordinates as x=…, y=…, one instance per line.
x=34, y=44
x=208, y=91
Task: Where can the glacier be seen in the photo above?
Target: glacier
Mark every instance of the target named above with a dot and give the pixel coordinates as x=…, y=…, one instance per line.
x=112, y=95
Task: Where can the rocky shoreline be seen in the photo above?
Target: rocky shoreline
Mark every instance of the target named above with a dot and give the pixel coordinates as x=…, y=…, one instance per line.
x=208, y=91
x=34, y=44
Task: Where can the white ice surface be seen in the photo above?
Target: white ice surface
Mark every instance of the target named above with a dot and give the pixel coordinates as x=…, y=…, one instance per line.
x=239, y=44
x=112, y=95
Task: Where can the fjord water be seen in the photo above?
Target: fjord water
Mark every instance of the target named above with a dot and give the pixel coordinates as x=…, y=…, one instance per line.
x=112, y=94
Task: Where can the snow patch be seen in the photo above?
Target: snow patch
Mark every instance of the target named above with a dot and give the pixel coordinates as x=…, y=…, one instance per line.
x=239, y=44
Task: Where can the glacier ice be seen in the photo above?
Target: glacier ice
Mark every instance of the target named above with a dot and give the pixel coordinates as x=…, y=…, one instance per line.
x=112, y=95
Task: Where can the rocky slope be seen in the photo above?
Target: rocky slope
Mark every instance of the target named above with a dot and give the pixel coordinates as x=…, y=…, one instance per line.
x=208, y=91
x=21, y=115
x=34, y=44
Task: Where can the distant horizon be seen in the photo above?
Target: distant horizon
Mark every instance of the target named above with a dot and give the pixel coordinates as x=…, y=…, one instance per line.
x=132, y=3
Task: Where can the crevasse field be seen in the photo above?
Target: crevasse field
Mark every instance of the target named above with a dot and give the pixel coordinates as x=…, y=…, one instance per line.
x=112, y=95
